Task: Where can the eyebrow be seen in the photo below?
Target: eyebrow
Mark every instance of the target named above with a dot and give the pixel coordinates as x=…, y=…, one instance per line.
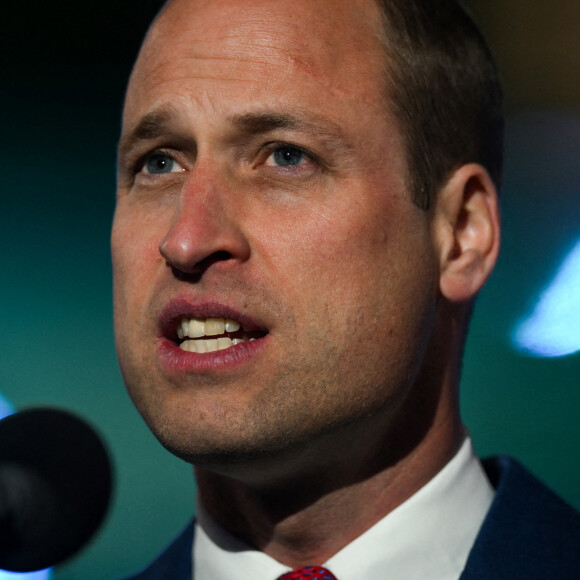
x=159, y=122
x=263, y=122
x=151, y=126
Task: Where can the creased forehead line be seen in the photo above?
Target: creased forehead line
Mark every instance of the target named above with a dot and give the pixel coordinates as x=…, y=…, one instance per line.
x=258, y=27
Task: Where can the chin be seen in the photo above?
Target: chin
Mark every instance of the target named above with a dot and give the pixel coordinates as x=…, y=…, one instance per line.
x=237, y=458
x=240, y=447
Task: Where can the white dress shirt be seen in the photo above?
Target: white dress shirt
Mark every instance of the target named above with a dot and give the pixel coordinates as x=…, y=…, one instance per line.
x=428, y=536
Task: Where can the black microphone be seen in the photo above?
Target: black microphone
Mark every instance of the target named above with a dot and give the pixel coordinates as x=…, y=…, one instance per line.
x=55, y=488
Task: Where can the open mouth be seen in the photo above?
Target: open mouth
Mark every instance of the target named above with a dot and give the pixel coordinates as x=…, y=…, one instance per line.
x=201, y=335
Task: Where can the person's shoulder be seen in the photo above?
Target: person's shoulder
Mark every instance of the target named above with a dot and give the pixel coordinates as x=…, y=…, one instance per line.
x=520, y=494
x=174, y=563
x=529, y=532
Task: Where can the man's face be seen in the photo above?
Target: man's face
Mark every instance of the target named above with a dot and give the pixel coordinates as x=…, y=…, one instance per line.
x=262, y=181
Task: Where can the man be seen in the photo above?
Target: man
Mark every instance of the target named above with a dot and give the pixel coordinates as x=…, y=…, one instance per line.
x=307, y=208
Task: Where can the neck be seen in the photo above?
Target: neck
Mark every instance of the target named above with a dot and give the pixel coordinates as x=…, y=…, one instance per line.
x=307, y=519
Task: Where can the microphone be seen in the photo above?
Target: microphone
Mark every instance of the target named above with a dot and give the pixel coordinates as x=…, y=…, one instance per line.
x=55, y=488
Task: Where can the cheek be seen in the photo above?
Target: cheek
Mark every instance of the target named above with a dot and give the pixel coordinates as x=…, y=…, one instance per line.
x=323, y=264
x=361, y=267
x=135, y=256
x=330, y=244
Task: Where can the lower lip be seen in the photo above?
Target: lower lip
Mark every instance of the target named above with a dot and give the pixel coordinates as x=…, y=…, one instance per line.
x=175, y=360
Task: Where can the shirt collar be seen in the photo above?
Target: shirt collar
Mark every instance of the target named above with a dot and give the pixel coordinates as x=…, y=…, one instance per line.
x=428, y=536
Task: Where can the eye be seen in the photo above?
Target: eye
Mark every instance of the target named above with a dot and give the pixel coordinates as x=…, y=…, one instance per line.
x=160, y=164
x=287, y=156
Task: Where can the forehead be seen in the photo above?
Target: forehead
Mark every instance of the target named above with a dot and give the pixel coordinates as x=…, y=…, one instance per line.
x=265, y=49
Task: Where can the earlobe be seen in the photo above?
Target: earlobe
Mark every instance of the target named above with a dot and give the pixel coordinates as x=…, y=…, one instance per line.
x=467, y=229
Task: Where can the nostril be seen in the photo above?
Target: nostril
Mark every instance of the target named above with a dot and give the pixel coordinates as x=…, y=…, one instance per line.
x=191, y=277
x=195, y=271
x=202, y=265
x=219, y=256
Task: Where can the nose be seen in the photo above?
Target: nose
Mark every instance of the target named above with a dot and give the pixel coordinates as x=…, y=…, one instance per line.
x=205, y=229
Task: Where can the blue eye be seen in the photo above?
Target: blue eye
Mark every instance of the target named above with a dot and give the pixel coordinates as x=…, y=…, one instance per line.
x=160, y=164
x=288, y=156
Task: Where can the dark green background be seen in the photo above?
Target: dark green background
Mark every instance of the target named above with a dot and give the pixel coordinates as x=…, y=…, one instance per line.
x=62, y=78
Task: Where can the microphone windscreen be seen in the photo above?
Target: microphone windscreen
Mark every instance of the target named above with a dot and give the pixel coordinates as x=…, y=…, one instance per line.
x=55, y=488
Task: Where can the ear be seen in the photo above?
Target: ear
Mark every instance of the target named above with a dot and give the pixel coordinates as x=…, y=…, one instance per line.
x=467, y=231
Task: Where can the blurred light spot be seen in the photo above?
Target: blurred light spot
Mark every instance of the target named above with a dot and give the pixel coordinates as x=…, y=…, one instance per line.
x=40, y=575
x=553, y=328
x=5, y=410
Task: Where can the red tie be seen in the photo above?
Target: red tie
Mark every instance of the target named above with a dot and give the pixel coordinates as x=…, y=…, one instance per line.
x=309, y=573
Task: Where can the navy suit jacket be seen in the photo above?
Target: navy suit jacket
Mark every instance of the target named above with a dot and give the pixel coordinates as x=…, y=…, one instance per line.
x=529, y=533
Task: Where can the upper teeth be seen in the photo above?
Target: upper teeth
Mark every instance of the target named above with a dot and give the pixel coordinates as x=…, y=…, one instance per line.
x=200, y=327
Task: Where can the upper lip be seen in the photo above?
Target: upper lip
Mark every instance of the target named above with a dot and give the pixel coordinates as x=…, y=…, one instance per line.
x=180, y=308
